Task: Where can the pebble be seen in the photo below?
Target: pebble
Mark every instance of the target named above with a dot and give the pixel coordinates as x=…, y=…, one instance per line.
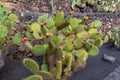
x=35, y=8
x=108, y=58
x=21, y=48
x=45, y=8
x=12, y=33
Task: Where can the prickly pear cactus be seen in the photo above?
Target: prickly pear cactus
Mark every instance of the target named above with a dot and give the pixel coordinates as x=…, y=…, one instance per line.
x=7, y=20
x=34, y=67
x=63, y=41
x=115, y=36
x=3, y=31
x=34, y=77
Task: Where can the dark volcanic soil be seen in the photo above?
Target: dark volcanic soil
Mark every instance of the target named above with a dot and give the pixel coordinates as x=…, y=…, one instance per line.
x=96, y=68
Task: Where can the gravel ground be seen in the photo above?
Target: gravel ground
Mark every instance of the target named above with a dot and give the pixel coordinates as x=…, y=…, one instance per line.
x=96, y=69
x=115, y=75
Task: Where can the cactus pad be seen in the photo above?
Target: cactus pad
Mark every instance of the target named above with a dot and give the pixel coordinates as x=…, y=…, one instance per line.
x=59, y=18
x=74, y=22
x=3, y=31
x=98, y=42
x=31, y=65
x=39, y=50
x=59, y=70
x=16, y=39
x=93, y=51
x=45, y=74
x=34, y=77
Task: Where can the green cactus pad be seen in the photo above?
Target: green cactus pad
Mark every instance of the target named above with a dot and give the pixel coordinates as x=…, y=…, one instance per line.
x=86, y=18
x=67, y=69
x=56, y=40
x=31, y=65
x=71, y=36
x=13, y=18
x=93, y=51
x=44, y=67
x=65, y=30
x=106, y=39
x=42, y=18
x=69, y=46
x=29, y=45
x=45, y=74
x=79, y=29
x=29, y=35
x=74, y=22
x=68, y=18
x=98, y=42
x=60, y=52
x=44, y=30
x=70, y=29
x=50, y=23
x=59, y=70
x=82, y=55
x=95, y=35
x=92, y=31
x=87, y=45
x=92, y=41
x=35, y=27
x=16, y=39
x=36, y=35
x=39, y=50
x=59, y=18
x=34, y=77
x=8, y=24
x=3, y=31
x=83, y=35
x=78, y=43
x=96, y=24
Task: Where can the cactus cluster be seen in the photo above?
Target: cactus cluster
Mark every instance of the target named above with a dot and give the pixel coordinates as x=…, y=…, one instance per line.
x=64, y=43
x=115, y=36
x=7, y=20
x=101, y=5
x=34, y=67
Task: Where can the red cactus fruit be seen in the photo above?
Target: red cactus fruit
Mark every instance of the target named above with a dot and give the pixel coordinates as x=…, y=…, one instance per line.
x=24, y=40
x=42, y=38
x=47, y=34
x=42, y=25
x=54, y=14
x=39, y=33
x=31, y=31
x=71, y=12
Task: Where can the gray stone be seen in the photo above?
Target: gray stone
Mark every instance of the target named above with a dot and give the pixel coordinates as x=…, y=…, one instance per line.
x=115, y=75
x=109, y=58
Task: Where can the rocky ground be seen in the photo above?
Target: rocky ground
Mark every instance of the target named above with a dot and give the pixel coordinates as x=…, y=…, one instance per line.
x=115, y=75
